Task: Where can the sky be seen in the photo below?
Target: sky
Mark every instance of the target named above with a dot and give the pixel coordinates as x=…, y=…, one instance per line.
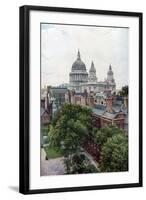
x=102, y=45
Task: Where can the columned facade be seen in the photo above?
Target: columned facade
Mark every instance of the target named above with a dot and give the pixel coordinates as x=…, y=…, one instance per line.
x=79, y=80
x=78, y=74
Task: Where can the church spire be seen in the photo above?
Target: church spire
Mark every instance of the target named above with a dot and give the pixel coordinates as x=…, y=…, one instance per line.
x=92, y=74
x=78, y=55
x=110, y=67
x=92, y=69
x=110, y=74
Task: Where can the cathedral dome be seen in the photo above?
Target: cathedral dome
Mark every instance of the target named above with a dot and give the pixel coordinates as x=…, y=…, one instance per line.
x=78, y=64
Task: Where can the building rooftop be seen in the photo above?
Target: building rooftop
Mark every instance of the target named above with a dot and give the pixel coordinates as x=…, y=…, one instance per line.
x=79, y=93
x=59, y=89
x=109, y=115
x=42, y=111
x=101, y=107
x=97, y=111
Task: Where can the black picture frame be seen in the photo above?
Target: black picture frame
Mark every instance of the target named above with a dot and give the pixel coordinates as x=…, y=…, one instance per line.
x=25, y=91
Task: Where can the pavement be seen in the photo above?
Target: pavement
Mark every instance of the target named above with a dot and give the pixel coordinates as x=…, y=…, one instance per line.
x=51, y=166
x=56, y=166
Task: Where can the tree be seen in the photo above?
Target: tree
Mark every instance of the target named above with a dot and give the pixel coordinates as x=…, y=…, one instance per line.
x=101, y=135
x=75, y=112
x=124, y=91
x=114, y=154
x=67, y=135
x=80, y=164
x=70, y=128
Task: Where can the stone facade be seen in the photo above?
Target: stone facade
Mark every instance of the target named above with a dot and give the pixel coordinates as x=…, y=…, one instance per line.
x=79, y=79
x=103, y=114
x=45, y=116
x=78, y=74
x=85, y=89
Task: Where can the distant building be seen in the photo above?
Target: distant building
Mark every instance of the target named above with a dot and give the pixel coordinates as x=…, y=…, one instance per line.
x=78, y=74
x=57, y=95
x=85, y=89
x=92, y=84
x=45, y=116
x=79, y=79
x=107, y=109
x=106, y=115
x=51, y=100
x=46, y=107
x=81, y=98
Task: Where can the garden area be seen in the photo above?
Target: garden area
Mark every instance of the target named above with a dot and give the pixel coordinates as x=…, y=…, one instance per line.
x=51, y=152
x=69, y=130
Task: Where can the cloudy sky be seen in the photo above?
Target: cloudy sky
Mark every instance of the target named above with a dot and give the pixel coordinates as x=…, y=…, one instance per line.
x=103, y=45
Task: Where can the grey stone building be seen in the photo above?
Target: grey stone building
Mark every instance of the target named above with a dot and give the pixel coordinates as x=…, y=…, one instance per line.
x=78, y=75
x=80, y=80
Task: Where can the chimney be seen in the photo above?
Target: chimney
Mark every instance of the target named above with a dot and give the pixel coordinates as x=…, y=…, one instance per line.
x=91, y=101
x=72, y=93
x=109, y=103
x=46, y=98
x=46, y=101
x=126, y=102
x=68, y=96
x=85, y=96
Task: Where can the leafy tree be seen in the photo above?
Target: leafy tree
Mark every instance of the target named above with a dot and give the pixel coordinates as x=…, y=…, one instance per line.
x=80, y=164
x=69, y=129
x=68, y=135
x=101, y=135
x=124, y=91
x=75, y=112
x=114, y=154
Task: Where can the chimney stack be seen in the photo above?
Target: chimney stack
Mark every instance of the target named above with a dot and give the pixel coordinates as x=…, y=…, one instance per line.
x=72, y=93
x=46, y=101
x=109, y=104
x=46, y=98
x=126, y=102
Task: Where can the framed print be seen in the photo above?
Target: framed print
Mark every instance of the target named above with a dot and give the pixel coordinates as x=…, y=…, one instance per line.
x=80, y=99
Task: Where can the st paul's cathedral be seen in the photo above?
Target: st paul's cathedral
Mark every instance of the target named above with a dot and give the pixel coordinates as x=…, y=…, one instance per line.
x=80, y=79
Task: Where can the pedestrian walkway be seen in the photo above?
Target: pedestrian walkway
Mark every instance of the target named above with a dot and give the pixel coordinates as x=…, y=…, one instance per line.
x=93, y=162
x=51, y=166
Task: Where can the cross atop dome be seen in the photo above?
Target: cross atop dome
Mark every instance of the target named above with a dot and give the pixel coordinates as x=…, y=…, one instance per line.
x=78, y=55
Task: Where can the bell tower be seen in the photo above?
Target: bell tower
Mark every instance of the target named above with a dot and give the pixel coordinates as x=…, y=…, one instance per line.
x=92, y=74
x=110, y=75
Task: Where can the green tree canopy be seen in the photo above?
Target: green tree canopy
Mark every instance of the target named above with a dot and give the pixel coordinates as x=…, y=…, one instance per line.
x=69, y=127
x=80, y=164
x=124, y=91
x=101, y=135
x=114, y=154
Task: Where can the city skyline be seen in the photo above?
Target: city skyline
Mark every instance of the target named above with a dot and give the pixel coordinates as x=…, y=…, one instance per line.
x=102, y=45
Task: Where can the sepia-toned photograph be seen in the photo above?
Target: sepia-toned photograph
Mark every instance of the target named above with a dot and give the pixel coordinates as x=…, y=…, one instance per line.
x=84, y=99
